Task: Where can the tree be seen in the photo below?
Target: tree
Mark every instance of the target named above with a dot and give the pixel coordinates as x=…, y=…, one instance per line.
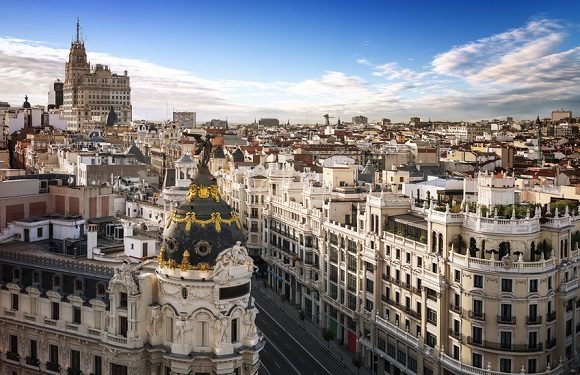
x=459, y=244
x=327, y=335
x=544, y=247
x=357, y=362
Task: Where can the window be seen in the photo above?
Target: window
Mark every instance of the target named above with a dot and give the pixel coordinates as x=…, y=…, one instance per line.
x=76, y=315
x=477, y=281
x=477, y=334
x=33, y=349
x=56, y=282
x=419, y=262
x=55, y=311
x=123, y=326
x=533, y=340
x=408, y=258
x=53, y=354
x=549, y=282
x=118, y=369
x=505, y=339
x=16, y=274
x=202, y=333
x=506, y=285
x=101, y=290
x=476, y=360
x=370, y=285
x=456, y=352
x=78, y=286
x=35, y=277
x=505, y=365
x=532, y=367
x=123, y=300
x=458, y=276
x=75, y=360
x=97, y=368
x=534, y=286
x=234, y=330
x=434, y=267
x=432, y=316
x=506, y=312
x=13, y=344
x=15, y=300
x=431, y=340
x=39, y=232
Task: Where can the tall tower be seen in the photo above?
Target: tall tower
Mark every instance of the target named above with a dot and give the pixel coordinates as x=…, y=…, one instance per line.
x=76, y=68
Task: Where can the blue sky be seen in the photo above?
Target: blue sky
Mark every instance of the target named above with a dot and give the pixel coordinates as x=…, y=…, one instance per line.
x=244, y=59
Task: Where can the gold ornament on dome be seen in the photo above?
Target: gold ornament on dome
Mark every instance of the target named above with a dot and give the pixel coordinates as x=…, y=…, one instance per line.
x=203, y=192
x=184, y=266
x=190, y=218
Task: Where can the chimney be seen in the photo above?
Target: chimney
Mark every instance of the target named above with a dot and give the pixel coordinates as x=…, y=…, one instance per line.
x=91, y=240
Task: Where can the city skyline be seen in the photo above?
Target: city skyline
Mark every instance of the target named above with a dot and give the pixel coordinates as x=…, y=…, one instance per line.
x=299, y=61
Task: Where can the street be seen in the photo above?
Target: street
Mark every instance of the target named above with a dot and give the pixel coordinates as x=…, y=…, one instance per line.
x=289, y=349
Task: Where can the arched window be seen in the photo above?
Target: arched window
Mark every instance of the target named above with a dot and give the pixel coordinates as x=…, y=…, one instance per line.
x=504, y=249
x=440, y=243
x=56, y=281
x=78, y=286
x=101, y=290
x=472, y=247
x=184, y=293
x=434, y=242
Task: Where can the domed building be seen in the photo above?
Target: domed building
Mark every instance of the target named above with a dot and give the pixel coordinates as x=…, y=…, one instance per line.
x=204, y=310
x=179, y=307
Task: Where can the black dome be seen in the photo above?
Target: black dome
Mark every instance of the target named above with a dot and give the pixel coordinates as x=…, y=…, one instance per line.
x=112, y=117
x=26, y=104
x=203, y=226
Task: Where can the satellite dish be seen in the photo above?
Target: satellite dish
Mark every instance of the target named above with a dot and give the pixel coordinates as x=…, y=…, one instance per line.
x=71, y=180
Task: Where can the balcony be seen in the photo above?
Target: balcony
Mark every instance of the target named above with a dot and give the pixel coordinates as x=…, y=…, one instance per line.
x=477, y=315
x=511, y=320
x=456, y=309
x=551, y=316
x=13, y=356
x=32, y=361
x=502, y=346
x=550, y=344
x=455, y=334
x=54, y=367
x=413, y=313
x=532, y=320
x=71, y=371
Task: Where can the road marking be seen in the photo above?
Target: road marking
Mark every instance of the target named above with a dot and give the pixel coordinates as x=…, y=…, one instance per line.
x=292, y=337
x=286, y=358
x=264, y=367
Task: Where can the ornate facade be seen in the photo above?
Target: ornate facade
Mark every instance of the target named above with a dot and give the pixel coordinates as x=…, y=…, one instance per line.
x=424, y=288
x=91, y=93
x=186, y=311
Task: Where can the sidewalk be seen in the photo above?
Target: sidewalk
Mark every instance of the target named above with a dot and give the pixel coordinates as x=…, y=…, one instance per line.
x=339, y=352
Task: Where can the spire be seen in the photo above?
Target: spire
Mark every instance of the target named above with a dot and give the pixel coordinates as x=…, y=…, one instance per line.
x=78, y=30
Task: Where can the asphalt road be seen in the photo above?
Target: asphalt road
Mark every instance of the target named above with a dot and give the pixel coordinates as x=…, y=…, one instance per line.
x=289, y=349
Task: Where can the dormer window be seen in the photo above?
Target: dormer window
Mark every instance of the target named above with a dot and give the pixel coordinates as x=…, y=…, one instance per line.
x=101, y=290
x=78, y=285
x=36, y=277
x=56, y=281
x=16, y=274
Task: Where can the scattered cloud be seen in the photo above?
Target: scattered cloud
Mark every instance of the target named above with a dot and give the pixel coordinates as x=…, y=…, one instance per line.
x=519, y=72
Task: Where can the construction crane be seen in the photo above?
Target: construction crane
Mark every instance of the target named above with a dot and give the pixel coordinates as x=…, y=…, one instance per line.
x=327, y=119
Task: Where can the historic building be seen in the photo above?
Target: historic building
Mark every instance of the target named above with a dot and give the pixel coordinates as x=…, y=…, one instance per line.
x=419, y=287
x=93, y=95
x=184, y=308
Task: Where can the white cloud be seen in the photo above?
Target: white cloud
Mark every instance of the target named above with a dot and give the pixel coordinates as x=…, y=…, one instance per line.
x=517, y=72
